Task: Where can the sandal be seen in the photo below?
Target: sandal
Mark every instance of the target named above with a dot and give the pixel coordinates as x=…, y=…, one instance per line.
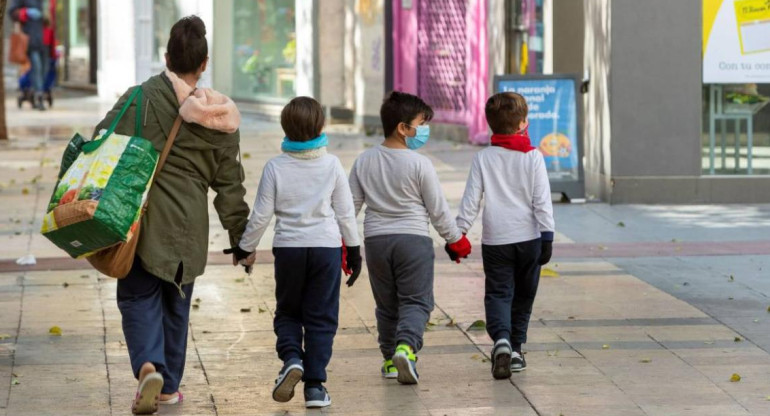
x=146, y=401
x=179, y=398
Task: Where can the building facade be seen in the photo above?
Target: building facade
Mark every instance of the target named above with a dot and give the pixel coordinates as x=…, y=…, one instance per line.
x=655, y=127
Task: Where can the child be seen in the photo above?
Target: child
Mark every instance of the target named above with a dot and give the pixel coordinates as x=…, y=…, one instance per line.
x=308, y=192
x=518, y=226
x=402, y=194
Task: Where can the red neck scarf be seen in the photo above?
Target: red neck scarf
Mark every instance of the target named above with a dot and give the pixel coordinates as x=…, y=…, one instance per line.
x=518, y=142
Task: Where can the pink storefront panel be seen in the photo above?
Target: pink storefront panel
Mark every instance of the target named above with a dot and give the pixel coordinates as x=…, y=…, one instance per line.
x=440, y=53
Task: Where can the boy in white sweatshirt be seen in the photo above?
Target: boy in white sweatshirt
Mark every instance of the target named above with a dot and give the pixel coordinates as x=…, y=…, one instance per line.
x=517, y=224
x=402, y=195
x=308, y=192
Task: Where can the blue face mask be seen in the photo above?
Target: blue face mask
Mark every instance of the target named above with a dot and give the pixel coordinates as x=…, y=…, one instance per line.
x=419, y=139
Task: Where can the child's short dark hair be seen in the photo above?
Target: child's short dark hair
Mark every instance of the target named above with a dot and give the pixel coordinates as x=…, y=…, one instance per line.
x=400, y=107
x=505, y=111
x=302, y=119
x=187, y=48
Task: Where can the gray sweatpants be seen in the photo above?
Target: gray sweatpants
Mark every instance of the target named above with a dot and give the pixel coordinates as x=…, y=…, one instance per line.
x=401, y=275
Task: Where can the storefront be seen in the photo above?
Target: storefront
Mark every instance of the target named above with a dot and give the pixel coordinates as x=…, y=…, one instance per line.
x=256, y=49
x=75, y=25
x=736, y=87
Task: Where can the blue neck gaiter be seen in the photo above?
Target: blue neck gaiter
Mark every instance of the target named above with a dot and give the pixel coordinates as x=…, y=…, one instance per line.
x=292, y=146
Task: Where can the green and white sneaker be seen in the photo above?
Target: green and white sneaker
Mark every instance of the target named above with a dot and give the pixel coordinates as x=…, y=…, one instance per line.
x=389, y=370
x=404, y=360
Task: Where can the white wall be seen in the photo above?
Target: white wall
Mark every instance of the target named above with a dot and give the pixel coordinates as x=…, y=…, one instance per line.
x=116, y=47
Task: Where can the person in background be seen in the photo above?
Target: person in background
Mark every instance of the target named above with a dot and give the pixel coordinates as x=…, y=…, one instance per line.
x=29, y=13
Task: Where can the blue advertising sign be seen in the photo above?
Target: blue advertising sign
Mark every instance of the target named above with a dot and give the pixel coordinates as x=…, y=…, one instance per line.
x=554, y=123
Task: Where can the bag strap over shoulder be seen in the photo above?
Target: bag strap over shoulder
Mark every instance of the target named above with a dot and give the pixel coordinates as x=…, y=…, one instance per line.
x=169, y=142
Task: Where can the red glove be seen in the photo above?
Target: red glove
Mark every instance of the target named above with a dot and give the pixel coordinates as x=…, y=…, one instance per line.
x=345, y=267
x=460, y=249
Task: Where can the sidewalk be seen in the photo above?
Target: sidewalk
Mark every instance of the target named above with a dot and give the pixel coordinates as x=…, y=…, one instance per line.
x=634, y=319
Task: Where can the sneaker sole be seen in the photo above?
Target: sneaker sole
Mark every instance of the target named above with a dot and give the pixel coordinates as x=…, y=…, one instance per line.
x=284, y=391
x=316, y=404
x=406, y=374
x=518, y=370
x=390, y=376
x=502, y=368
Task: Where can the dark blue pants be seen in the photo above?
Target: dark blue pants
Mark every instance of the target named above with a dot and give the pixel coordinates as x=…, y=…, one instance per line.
x=512, y=275
x=155, y=322
x=307, y=291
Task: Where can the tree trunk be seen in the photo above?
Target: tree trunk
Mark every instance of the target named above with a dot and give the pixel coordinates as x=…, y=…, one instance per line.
x=3, y=126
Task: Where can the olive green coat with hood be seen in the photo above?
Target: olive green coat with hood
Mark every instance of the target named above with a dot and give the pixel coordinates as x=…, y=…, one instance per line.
x=174, y=232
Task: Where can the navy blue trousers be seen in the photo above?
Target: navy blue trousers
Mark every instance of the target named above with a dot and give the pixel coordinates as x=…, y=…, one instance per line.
x=155, y=322
x=511, y=278
x=307, y=291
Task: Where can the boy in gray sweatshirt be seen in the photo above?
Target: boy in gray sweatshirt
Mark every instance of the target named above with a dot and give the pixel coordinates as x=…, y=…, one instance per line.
x=402, y=195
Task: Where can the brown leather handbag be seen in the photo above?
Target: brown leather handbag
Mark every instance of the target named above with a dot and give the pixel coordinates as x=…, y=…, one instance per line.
x=116, y=261
x=19, y=43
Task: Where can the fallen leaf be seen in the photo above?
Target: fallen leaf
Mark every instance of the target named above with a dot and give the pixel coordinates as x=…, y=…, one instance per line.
x=605, y=347
x=206, y=332
x=66, y=285
x=768, y=309
x=196, y=306
x=262, y=310
x=738, y=339
x=239, y=280
x=451, y=323
x=686, y=284
x=756, y=320
x=731, y=278
x=247, y=155
x=546, y=272
x=4, y=336
x=84, y=276
x=25, y=191
x=735, y=378
x=479, y=325
x=244, y=310
x=476, y=357
x=197, y=300
x=602, y=247
x=15, y=381
x=645, y=360
x=55, y=330
x=570, y=317
x=621, y=224
x=709, y=342
x=674, y=240
x=730, y=298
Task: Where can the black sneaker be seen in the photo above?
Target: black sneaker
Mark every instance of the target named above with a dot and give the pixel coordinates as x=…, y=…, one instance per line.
x=316, y=396
x=290, y=375
x=501, y=359
x=518, y=363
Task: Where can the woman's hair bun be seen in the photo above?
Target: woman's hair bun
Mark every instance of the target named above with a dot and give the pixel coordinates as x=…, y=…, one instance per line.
x=187, y=48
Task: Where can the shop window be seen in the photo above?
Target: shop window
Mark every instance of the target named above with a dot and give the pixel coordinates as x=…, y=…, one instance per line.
x=265, y=53
x=164, y=14
x=736, y=90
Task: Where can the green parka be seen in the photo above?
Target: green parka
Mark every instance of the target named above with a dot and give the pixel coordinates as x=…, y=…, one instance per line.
x=175, y=228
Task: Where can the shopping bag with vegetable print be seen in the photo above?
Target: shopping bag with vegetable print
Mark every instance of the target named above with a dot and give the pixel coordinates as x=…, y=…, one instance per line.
x=98, y=200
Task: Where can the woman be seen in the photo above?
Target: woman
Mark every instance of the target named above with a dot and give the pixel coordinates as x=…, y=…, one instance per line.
x=154, y=299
